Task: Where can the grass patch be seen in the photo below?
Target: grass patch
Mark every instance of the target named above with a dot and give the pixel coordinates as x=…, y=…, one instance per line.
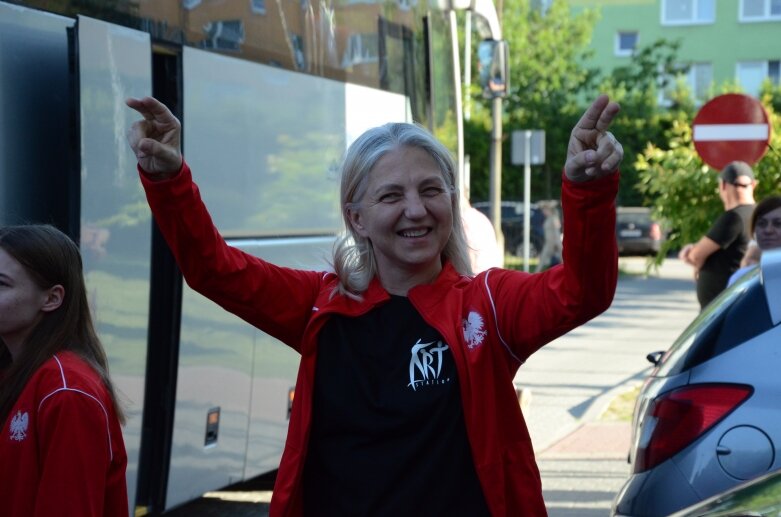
x=623, y=271
x=513, y=262
x=637, y=266
x=621, y=407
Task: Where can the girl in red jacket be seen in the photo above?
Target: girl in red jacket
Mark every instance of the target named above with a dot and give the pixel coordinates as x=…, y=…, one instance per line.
x=404, y=399
x=61, y=447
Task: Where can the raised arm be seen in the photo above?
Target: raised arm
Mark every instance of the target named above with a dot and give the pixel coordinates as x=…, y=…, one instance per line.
x=535, y=309
x=241, y=283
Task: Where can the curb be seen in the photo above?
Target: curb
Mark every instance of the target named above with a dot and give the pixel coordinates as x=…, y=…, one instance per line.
x=593, y=413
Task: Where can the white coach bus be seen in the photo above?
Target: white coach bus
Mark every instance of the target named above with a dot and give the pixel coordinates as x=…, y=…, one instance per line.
x=269, y=93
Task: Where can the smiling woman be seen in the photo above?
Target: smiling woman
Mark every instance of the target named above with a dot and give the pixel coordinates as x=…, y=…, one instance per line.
x=400, y=200
x=405, y=402
x=406, y=215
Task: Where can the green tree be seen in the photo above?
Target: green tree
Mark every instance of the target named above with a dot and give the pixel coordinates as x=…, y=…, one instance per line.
x=547, y=79
x=551, y=85
x=642, y=120
x=684, y=190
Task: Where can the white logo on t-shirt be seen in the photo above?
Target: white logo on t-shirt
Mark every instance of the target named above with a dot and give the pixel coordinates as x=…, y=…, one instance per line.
x=19, y=424
x=426, y=362
x=474, y=331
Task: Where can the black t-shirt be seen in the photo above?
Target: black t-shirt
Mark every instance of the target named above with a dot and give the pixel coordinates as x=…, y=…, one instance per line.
x=388, y=436
x=731, y=232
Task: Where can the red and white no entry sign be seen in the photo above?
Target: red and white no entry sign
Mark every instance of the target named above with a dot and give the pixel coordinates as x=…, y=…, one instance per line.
x=731, y=127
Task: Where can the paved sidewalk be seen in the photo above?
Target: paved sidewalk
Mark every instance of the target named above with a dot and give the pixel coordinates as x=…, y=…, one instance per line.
x=582, y=459
x=597, y=440
x=584, y=470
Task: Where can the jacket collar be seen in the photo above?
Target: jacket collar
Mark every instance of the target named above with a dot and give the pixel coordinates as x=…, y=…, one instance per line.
x=429, y=295
x=423, y=296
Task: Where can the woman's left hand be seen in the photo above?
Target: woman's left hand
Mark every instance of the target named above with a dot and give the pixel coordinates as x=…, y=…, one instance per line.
x=593, y=151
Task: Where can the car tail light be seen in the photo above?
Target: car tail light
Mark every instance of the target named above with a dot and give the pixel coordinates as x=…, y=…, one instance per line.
x=677, y=418
x=655, y=232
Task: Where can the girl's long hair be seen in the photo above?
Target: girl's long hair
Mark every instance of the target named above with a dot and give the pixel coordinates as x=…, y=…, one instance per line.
x=354, y=261
x=50, y=258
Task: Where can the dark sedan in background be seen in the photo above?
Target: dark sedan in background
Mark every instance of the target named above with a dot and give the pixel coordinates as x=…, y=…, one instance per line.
x=512, y=226
x=636, y=231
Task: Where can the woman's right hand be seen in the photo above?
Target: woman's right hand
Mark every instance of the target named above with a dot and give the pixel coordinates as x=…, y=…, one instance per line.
x=156, y=140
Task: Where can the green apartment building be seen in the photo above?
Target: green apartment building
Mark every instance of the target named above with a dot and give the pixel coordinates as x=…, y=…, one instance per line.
x=721, y=40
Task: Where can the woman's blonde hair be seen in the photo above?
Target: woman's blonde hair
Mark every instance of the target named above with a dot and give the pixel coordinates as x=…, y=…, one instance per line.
x=354, y=261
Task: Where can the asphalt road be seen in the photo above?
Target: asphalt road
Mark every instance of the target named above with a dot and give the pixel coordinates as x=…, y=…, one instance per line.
x=582, y=458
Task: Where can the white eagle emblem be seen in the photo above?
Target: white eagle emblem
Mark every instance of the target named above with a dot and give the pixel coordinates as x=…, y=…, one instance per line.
x=19, y=424
x=474, y=331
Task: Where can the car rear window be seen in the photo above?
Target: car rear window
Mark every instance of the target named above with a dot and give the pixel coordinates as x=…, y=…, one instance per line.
x=737, y=315
x=633, y=218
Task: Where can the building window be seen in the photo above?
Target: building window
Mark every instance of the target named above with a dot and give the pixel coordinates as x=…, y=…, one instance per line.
x=224, y=35
x=774, y=71
x=760, y=10
x=688, y=12
x=298, y=50
x=626, y=42
x=258, y=6
x=751, y=75
x=190, y=4
x=697, y=79
x=361, y=48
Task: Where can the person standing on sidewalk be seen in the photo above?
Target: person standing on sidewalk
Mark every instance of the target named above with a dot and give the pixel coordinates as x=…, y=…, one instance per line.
x=718, y=253
x=551, y=248
x=484, y=250
x=404, y=403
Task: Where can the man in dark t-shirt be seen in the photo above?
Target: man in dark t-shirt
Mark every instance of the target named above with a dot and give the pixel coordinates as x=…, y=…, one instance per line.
x=717, y=254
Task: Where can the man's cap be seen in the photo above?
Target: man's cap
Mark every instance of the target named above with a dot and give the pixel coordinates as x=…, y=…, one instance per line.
x=732, y=170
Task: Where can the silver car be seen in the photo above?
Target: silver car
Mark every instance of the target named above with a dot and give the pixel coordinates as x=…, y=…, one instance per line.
x=709, y=415
x=760, y=497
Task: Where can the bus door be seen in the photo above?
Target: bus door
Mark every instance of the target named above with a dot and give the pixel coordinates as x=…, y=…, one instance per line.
x=112, y=63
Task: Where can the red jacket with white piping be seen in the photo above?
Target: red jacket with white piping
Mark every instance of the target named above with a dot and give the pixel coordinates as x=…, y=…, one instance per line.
x=61, y=447
x=492, y=322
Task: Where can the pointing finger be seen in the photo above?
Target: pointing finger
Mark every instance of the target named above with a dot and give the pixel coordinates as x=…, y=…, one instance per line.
x=606, y=117
x=592, y=115
x=152, y=109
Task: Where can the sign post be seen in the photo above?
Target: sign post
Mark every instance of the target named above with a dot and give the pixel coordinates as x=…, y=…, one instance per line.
x=528, y=148
x=731, y=127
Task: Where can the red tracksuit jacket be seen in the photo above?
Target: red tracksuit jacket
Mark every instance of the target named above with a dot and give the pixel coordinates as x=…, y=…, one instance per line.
x=61, y=449
x=492, y=323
